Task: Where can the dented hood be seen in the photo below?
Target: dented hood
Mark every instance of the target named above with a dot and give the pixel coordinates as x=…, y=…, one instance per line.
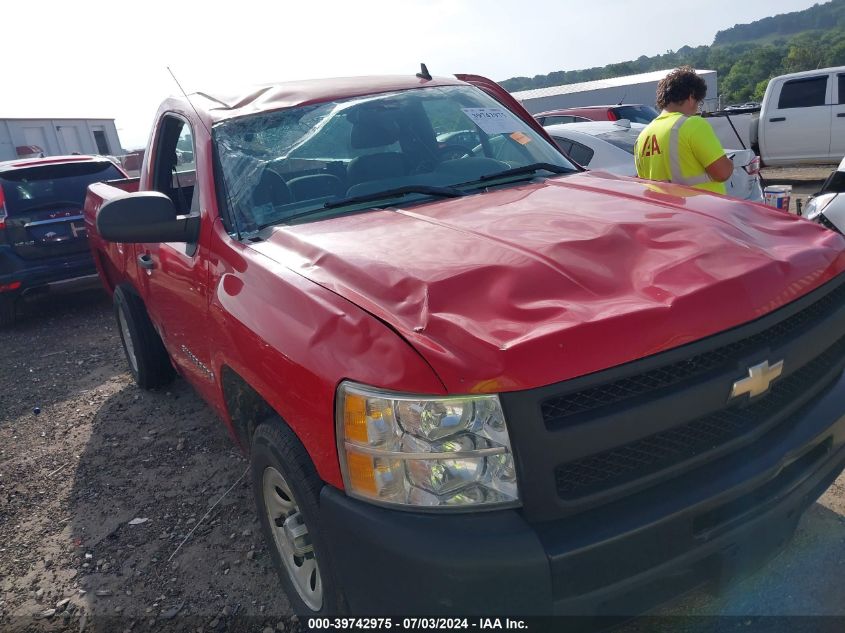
x=537, y=283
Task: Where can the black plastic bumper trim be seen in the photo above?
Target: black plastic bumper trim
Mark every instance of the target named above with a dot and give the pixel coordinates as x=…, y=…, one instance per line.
x=619, y=561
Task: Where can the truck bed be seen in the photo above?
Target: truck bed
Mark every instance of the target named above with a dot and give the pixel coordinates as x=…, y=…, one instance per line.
x=110, y=258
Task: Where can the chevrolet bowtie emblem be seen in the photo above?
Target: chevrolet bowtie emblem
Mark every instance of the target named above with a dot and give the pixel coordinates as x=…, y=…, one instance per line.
x=759, y=379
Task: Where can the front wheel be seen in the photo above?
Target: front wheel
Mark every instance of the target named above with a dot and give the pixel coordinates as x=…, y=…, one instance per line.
x=287, y=494
x=148, y=360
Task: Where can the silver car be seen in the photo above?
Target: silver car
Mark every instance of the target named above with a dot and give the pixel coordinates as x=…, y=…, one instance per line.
x=827, y=207
x=609, y=146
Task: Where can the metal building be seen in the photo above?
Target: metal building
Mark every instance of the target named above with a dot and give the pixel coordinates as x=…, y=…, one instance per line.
x=29, y=137
x=632, y=89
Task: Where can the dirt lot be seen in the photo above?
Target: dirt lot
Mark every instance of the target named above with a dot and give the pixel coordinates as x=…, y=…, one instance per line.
x=100, y=453
x=805, y=181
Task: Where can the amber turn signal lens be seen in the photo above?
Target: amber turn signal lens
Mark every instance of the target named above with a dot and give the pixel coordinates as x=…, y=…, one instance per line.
x=355, y=418
x=362, y=473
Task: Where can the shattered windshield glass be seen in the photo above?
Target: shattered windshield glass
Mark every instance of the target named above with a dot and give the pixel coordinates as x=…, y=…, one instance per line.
x=285, y=164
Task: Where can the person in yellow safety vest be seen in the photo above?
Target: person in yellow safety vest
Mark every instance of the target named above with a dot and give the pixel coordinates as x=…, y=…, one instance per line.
x=679, y=146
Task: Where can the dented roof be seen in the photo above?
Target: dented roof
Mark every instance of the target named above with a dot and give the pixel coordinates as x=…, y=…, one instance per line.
x=227, y=104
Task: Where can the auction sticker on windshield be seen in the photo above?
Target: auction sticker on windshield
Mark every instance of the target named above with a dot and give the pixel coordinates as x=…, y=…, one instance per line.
x=521, y=138
x=494, y=120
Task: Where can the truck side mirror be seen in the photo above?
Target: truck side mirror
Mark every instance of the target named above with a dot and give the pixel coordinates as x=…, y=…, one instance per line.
x=145, y=216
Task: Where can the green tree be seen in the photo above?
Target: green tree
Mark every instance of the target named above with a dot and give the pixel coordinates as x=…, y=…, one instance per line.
x=760, y=90
x=836, y=55
x=805, y=53
x=745, y=56
x=757, y=65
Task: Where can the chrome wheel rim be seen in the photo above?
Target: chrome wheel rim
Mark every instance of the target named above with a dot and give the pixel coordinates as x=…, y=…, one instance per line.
x=293, y=542
x=127, y=339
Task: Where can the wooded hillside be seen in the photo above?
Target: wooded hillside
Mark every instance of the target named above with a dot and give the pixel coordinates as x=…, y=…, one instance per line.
x=745, y=56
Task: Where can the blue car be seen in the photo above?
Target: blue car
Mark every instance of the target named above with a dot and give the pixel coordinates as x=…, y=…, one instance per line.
x=43, y=241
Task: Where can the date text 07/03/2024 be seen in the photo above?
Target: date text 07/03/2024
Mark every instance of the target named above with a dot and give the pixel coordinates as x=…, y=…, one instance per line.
x=417, y=623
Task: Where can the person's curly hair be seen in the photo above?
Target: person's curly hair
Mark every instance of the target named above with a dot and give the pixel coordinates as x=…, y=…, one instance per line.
x=679, y=85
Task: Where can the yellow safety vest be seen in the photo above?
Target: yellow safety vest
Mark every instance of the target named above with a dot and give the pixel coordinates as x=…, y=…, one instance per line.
x=677, y=148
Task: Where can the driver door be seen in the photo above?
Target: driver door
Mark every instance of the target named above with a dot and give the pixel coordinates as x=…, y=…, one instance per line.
x=175, y=278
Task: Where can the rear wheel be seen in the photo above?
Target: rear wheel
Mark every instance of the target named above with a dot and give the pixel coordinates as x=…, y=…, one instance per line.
x=287, y=493
x=148, y=360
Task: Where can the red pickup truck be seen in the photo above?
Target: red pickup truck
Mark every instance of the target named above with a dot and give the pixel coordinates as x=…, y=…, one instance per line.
x=476, y=380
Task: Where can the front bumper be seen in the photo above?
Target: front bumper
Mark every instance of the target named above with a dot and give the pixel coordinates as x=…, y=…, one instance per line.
x=620, y=560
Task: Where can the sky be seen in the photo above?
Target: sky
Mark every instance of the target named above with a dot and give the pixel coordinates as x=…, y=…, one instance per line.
x=96, y=59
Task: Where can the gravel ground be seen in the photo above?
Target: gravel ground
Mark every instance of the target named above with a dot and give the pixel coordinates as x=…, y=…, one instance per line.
x=797, y=174
x=805, y=181
x=100, y=455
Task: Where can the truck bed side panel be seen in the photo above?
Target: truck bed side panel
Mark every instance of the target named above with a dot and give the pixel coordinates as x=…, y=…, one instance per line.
x=115, y=262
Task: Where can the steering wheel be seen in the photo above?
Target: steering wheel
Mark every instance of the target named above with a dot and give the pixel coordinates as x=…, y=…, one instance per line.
x=447, y=152
x=451, y=152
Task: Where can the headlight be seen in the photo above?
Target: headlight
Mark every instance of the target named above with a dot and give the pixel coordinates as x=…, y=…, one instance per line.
x=816, y=205
x=424, y=451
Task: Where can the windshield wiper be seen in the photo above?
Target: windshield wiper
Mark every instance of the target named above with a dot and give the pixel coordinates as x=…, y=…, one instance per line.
x=528, y=169
x=398, y=192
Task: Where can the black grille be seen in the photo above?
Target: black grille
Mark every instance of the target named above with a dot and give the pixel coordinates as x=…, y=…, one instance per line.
x=559, y=411
x=627, y=463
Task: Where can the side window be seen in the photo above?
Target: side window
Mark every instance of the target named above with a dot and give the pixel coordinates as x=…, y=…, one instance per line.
x=550, y=120
x=174, y=172
x=803, y=93
x=185, y=151
x=581, y=154
x=563, y=143
x=841, y=89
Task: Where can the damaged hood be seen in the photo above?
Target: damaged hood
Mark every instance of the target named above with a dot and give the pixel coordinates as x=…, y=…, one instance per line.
x=537, y=283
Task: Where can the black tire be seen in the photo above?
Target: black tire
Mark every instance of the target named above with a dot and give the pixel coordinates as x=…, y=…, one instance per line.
x=274, y=446
x=145, y=353
x=8, y=311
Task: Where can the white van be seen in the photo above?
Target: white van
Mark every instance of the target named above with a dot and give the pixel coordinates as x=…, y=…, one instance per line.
x=802, y=119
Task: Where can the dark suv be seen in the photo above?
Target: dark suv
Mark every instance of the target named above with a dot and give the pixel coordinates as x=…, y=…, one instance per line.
x=42, y=235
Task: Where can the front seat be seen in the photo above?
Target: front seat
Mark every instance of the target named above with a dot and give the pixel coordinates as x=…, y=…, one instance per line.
x=373, y=128
x=271, y=189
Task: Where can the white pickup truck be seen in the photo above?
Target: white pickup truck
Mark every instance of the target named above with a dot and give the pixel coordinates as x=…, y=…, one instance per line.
x=802, y=118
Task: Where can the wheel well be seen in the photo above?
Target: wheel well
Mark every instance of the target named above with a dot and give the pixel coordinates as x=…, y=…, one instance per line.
x=128, y=287
x=110, y=273
x=245, y=405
